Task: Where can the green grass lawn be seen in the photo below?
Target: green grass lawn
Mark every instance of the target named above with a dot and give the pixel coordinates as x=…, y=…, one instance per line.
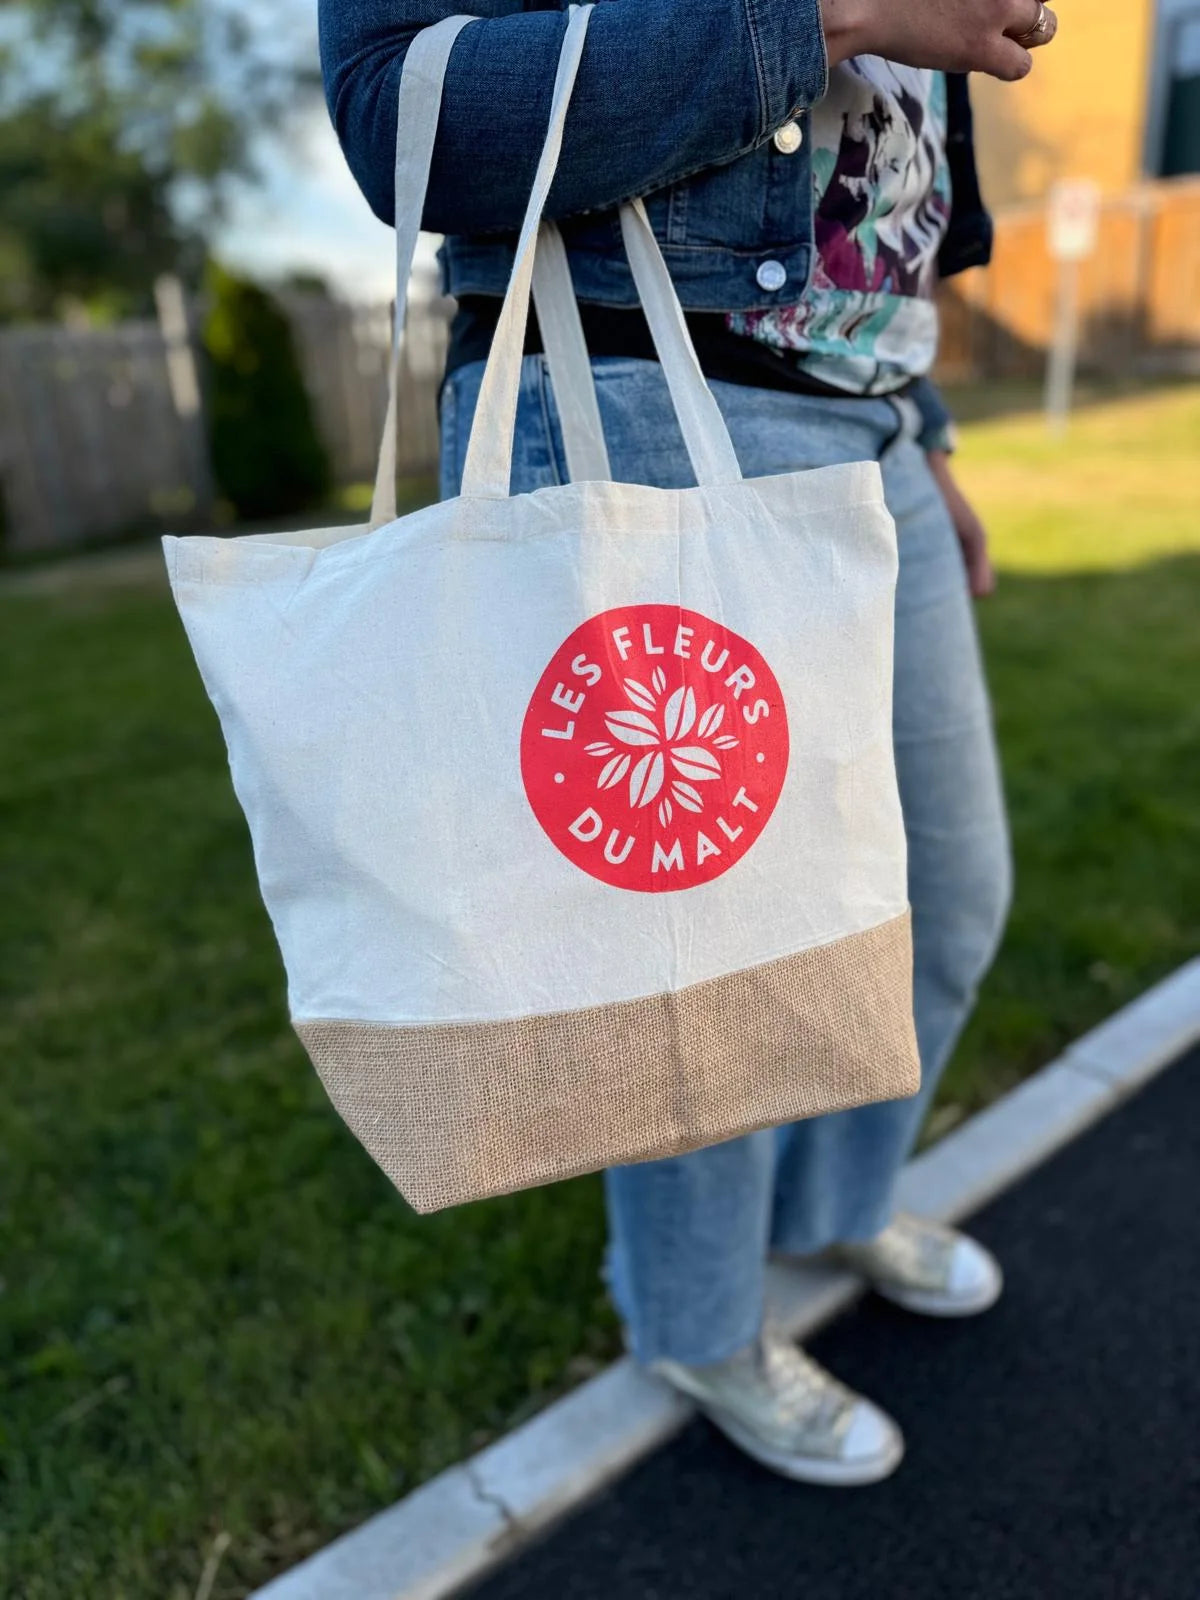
x=221, y=1333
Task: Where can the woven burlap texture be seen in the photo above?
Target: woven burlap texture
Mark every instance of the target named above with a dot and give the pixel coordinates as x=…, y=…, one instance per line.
x=456, y=1112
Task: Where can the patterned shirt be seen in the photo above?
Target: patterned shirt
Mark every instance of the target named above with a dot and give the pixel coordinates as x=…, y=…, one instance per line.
x=868, y=320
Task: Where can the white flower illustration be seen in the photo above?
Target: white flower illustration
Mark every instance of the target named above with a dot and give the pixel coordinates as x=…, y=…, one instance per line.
x=658, y=731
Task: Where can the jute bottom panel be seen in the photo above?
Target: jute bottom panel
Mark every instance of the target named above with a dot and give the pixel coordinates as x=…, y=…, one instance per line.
x=455, y=1112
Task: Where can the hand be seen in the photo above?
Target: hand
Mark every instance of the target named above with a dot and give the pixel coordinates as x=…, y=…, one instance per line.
x=992, y=36
x=972, y=535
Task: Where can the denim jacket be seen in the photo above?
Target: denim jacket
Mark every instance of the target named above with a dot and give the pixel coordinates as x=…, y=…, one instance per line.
x=694, y=104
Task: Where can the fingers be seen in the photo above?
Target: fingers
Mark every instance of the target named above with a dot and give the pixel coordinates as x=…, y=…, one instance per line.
x=1034, y=24
x=981, y=577
x=1004, y=58
x=1030, y=24
x=1045, y=34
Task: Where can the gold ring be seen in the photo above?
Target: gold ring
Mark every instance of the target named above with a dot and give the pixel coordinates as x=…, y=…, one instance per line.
x=1042, y=26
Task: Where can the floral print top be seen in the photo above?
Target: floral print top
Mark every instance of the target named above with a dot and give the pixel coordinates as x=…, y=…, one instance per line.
x=868, y=320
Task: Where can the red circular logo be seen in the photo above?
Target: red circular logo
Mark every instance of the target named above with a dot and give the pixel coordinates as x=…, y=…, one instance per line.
x=655, y=748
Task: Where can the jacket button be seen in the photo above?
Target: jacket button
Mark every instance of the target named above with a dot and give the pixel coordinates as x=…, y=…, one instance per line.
x=771, y=275
x=788, y=139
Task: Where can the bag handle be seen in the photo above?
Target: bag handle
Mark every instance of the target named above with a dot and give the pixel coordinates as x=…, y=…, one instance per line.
x=568, y=360
x=417, y=106
x=487, y=468
x=710, y=449
x=488, y=465
x=709, y=446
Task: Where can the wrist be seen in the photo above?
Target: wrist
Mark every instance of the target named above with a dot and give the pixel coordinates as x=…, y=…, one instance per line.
x=846, y=27
x=940, y=440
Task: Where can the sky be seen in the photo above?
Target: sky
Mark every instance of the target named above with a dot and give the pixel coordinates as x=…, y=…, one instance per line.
x=308, y=213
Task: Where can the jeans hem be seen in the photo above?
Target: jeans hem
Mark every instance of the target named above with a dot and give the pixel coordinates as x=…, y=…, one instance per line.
x=859, y=1233
x=694, y=1356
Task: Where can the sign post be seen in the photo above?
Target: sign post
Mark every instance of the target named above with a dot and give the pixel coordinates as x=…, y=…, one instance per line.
x=1072, y=227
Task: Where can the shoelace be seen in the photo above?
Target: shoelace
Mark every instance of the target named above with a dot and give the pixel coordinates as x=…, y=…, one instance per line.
x=916, y=1251
x=806, y=1394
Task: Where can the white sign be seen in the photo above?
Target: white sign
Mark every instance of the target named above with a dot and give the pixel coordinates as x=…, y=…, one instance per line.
x=1073, y=219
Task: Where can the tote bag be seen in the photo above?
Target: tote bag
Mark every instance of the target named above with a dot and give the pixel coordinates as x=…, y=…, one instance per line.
x=575, y=812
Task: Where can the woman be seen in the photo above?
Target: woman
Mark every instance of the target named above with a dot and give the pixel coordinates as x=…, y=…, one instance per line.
x=809, y=173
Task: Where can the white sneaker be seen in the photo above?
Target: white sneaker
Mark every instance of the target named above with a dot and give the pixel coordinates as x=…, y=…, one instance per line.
x=927, y=1268
x=782, y=1408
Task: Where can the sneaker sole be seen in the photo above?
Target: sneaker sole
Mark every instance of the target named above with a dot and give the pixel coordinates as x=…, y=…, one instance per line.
x=811, y=1469
x=930, y=1304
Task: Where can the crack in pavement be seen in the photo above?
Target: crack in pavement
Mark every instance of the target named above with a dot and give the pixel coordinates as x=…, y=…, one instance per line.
x=512, y=1523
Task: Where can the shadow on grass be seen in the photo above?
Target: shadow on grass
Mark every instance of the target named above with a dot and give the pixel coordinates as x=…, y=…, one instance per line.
x=217, y=1316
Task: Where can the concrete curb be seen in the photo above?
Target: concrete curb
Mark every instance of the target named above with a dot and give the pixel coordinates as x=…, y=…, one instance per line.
x=454, y=1528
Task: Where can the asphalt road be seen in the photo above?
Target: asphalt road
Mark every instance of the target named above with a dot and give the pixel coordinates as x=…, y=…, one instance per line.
x=1053, y=1444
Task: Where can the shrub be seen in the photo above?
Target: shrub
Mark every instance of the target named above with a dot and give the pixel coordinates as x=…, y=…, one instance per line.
x=267, y=456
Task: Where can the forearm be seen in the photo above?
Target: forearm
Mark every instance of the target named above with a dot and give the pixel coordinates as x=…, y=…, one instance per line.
x=666, y=88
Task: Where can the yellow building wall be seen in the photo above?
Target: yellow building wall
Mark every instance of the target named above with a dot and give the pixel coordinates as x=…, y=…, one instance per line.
x=1081, y=113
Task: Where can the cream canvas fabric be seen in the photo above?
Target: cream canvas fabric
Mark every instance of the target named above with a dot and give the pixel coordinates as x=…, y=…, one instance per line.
x=575, y=812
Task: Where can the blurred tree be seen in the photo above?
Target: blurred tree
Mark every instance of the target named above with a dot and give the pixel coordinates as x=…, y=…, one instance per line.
x=81, y=218
x=266, y=452
x=122, y=123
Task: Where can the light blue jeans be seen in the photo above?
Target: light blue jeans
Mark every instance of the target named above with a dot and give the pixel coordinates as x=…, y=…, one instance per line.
x=690, y=1237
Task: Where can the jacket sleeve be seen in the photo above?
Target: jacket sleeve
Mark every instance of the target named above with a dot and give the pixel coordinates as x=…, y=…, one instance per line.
x=666, y=88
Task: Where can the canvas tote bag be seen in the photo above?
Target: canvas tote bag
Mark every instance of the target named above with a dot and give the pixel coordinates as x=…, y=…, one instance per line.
x=575, y=812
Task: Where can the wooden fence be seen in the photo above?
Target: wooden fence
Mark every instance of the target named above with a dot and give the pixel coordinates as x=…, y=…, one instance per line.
x=94, y=439
x=90, y=441
x=343, y=351
x=1139, y=294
